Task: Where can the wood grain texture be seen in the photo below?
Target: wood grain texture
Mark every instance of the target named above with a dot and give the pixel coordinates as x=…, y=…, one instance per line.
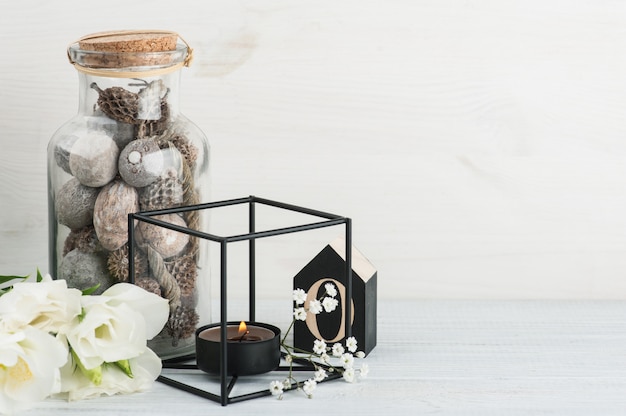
x=478, y=146
x=442, y=357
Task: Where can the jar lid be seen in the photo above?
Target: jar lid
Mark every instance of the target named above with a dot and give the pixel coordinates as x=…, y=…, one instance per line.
x=124, y=53
x=130, y=41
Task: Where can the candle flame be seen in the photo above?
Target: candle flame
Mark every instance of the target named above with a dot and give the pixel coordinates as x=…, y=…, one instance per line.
x=243, y=328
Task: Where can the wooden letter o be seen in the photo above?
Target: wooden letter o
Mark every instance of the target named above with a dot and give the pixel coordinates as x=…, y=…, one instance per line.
x=311, y=319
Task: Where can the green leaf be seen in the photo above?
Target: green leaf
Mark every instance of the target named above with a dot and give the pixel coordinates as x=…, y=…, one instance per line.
x=5, y=279
x=39, y=276
x=81, y=316
x=90, y=290
x=94, y=375
x=124, y=365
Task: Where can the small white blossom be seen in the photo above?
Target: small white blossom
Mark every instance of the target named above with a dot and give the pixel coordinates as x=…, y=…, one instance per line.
x=308, y=387
x=325, y=358
x=299, y=296
x=365, y=369
x=319, y=347
x=276, y=388
x=348, y=375
x=338, y=350
x=320, y=375
x=351, y=344
x=347, y=360
x=360, y=354
x=299, y=314
x=330, y=290
x=286, y=384
x=315, y=307
x=289, y=359
x=330, y=304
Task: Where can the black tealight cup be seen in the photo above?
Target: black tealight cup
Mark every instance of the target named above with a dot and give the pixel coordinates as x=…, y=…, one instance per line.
x=254, y=352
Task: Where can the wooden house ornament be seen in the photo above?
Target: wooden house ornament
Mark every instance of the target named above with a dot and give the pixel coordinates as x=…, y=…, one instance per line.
x=329, y=267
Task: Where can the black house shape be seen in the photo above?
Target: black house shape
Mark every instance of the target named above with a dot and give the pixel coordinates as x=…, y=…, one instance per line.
x=329, y=267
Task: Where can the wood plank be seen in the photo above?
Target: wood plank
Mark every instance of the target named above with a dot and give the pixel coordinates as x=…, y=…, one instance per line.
x=478, y=145
x=449, y=358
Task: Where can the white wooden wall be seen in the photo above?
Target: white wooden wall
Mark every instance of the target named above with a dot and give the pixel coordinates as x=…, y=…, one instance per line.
x=478, y=146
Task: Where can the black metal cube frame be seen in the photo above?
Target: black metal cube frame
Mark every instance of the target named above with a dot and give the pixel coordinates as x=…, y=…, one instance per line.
x=328, y=221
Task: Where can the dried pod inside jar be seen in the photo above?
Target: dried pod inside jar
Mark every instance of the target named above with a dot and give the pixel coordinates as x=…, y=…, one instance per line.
x=130, y=149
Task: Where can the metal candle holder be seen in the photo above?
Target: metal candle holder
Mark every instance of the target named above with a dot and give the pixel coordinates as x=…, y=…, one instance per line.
x=328, y=221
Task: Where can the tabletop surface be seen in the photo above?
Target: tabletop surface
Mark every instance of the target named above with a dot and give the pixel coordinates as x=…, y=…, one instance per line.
x=447, y=358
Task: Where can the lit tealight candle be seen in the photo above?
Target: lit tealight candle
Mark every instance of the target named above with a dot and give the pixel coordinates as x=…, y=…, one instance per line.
x=252, y=348
x=242, y=333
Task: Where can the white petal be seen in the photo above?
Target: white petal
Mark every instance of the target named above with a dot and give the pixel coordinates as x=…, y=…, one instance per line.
x=108, y=334
x=34, y=375
x=146, y=368
x=154, y=309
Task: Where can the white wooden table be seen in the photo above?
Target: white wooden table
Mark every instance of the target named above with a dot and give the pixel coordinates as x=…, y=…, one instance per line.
x=447, y=358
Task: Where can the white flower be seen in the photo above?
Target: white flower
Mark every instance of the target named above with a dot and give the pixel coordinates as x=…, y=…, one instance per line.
x=47, y=305
x=299, y=296
x=348, y=375
x=154, y=309
x=286, y=384
x=289, y=359
x=319, y=347
x=360, y=354
x=325, y=358
x=330, y=290
x=365, y=369
x=116, y=325
x=145, y=369
x=338, y=350
x=320, y=375
x=315, y=307
x=351, y=344
x=347, y=360
x=107, y=337
x=299, y=314
x=107, y=333
x=330, y=304
x=308, y=387
x=276, y=388
x=29, y=368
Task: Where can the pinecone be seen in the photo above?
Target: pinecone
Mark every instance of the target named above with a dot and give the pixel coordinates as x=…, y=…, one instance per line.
x=182, y=323
x=117, y=263
x=185, y=271
x=149, y=285
x=149, y=128
x=118, y=103
x=148, y=108
x=182, y=143
x=84, y=239
x=186, y=148
x=165, y=192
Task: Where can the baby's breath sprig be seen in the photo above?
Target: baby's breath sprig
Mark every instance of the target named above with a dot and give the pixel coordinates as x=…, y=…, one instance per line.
x=325, y=360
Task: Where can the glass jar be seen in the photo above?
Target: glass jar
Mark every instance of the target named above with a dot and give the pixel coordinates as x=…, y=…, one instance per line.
x=130, y=149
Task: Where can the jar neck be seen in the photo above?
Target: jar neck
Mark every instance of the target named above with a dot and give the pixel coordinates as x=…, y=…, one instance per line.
x=129, y=100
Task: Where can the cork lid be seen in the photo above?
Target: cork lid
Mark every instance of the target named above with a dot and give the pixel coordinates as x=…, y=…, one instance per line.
x=129, y=49
x=130, y=41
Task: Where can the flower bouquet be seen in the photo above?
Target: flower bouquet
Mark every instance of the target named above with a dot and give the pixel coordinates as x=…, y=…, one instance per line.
x=59, y=341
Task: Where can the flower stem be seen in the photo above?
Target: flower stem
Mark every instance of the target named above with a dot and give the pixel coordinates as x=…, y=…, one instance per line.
x=287, y=332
